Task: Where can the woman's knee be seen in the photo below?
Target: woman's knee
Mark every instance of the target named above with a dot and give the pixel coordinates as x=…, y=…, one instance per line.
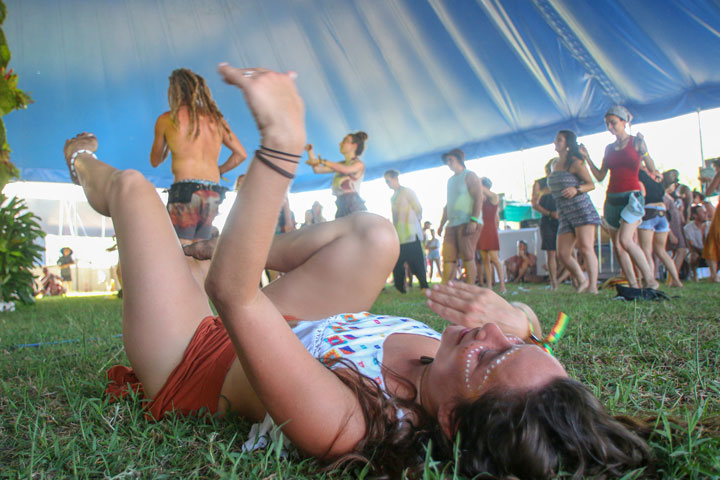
x=125, y=185
x=376, y=233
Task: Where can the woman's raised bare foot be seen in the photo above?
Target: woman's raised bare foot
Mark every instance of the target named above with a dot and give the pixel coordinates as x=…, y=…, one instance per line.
x=677, y=284
x=584, y=284
x=84, y=141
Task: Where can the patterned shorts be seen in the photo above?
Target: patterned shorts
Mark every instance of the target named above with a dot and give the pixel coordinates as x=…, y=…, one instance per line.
x=193, y=220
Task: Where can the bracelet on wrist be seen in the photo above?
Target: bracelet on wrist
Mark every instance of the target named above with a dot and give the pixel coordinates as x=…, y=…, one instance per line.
x=474, y=219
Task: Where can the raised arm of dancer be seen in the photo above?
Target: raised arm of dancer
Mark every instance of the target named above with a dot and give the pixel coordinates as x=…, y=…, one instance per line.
x=473, y=306
x=600, y=173
x=642, y=149
x=321, y=416
x=238, y=153
x=714, y=184
x=160, y=150
x=340, y=167
x=314, y=161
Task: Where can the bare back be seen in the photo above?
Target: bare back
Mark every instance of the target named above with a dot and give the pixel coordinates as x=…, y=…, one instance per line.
x=194, y=157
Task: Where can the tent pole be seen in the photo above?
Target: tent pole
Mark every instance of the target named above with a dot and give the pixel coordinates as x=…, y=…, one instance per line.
x=702, y=155
x=599, y=249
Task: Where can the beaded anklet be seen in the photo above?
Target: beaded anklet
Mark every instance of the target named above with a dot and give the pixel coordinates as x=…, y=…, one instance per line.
x=71, y=163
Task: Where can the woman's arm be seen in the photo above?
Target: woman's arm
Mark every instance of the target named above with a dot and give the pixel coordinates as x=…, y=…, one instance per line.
x=598, y=173
x=472, y=306
x=579, y=169
x=238, y=153
x=320, y=414
x=160, y=150
x=535, y=200
x=714, y=184
x=340, y=167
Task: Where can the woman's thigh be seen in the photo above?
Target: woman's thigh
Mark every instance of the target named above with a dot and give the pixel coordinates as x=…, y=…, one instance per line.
x=645, y=238
x=162, y=302
x=338, y=267
x=565, y=244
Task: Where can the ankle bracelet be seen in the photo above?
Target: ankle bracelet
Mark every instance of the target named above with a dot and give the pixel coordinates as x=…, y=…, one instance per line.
x=74, y=156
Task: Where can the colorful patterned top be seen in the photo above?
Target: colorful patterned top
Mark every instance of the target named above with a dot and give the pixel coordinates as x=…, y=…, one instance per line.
x=343, y=184
x=357, y=337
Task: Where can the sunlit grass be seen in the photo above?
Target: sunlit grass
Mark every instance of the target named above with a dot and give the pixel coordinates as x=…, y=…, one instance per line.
x=646, y=359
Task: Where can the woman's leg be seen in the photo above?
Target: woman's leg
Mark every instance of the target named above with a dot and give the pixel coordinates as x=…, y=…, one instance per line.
x=565, y=245
x=552, y=268
x=586, y=247
x=625, y=237
x=162, y=302
x=646, y=238
x=659, y=241
x=679, y=258
x=623, y=257
x=486, y=269
x=495, y=260
x=332, y=267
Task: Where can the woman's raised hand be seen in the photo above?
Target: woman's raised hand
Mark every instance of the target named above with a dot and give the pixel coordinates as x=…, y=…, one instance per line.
x=472, y=306
x=275, y=103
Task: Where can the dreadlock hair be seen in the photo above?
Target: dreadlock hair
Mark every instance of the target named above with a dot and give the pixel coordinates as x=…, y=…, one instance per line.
x=509, y=434
x=189, y=89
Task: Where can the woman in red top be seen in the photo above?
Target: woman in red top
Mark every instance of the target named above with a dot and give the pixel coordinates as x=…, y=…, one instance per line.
x=624, y=204
x=489, y=242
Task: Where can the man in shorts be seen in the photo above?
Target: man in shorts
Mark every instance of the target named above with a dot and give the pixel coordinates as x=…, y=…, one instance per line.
x=194, y=131
x=462, y=214
x=406, y=213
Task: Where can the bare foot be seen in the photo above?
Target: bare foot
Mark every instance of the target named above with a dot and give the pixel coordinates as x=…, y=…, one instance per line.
x=675, y=284
x=593, y=291
x=202, y=250
x=654, y=285
x=83, y=141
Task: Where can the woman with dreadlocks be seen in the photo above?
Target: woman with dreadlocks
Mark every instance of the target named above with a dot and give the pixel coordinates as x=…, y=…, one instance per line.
x=194, y=131
x=344, y=386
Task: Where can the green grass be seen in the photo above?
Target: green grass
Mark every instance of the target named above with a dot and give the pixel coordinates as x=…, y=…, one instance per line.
x=645, y=359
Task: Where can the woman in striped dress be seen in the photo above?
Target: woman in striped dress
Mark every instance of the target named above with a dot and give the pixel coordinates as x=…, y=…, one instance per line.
x=569, y=183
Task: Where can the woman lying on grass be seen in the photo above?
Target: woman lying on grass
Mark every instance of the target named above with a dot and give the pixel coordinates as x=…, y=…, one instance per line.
x=344, y=386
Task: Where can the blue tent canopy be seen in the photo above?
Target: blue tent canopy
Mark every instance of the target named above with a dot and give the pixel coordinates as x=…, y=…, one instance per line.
x=419, y=76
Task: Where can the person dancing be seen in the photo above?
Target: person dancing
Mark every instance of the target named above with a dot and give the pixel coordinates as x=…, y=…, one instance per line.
x=348, y=173
x=489, y=242
x=624, y=206
x=676, y=217
x=465, y=392
x=194, y=130
x=544, y=203
x=569, y=183
x=654, y=230
x=711, y=249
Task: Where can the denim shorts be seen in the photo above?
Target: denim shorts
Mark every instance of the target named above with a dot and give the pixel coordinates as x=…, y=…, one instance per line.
x=658, y=223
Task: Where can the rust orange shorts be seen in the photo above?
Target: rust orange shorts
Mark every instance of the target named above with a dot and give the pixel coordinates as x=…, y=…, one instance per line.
x=194, y=384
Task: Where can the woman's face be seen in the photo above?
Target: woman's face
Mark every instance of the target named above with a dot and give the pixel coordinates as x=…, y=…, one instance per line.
x=471, y=362
x=615, y=125
x=347, y=145
x=560, y=143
